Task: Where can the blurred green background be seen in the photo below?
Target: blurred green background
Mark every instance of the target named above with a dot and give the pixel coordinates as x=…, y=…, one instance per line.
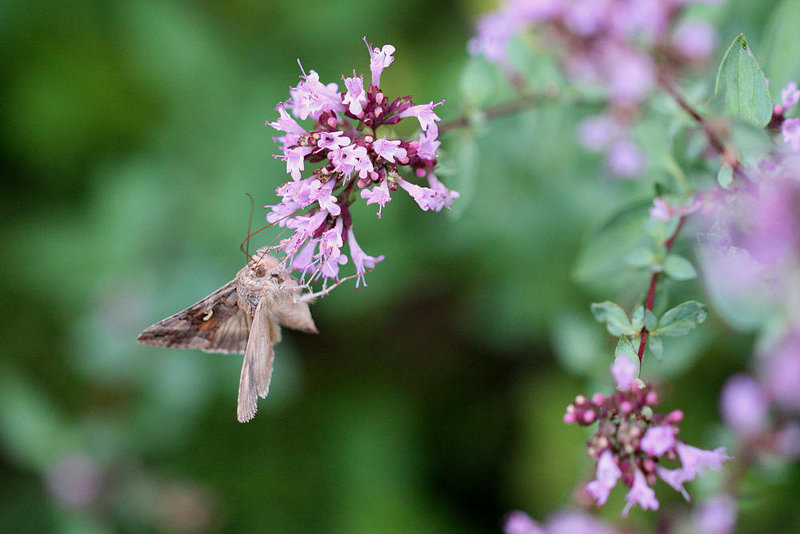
x=431, y=400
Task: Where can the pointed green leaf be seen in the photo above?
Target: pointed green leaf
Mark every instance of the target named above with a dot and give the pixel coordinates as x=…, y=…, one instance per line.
x=614, y=317
x=741, y=81
x=679, y=268
x=625, y=346
x=681, y=319
x=640, y=257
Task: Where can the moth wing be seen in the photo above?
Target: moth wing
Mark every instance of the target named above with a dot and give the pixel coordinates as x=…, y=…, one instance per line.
x=257, y=364
x=293, y=312
x=215, y=324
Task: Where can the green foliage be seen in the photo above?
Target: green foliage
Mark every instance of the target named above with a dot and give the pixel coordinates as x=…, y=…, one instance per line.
x=615, y=318
x=743, y=85
x=679, y=268
x=681, y=319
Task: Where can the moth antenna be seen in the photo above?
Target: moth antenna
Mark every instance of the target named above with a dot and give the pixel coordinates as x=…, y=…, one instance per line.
x=249, y=225
x=251, y=234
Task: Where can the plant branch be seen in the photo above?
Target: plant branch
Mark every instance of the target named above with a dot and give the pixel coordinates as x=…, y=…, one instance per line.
x=504, y=108
x=651, y=291
x=727, y=154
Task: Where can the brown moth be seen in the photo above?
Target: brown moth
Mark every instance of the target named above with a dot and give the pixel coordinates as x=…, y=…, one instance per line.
x=244, y=316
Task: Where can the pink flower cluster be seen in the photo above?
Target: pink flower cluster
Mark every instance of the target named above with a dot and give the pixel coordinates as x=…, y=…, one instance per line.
x=751, y=265
x=351, y=160
x=619, y=46
x=632, y=441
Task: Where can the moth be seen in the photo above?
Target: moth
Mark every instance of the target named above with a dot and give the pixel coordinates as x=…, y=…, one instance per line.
x=244, y=316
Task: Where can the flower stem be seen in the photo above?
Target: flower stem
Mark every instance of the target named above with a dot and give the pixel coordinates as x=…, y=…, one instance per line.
x=504, y=108
x=651, y=291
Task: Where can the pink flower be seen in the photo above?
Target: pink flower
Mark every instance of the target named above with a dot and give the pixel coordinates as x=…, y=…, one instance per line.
x=355, y=98
x=329, y=255
x=658, y=440
x=332, y=141
x=781, y=373
x=675, y=478
x=744, y=406
x=595, y=133
x=493, y=33
x=312, y=98
x=379, y=59
x=624, y=371
x=695, y=40
x=631, y=76
x=607, y=476
x=361, y=260
x=286, y=124
x=295, y=160
x=641, y=494
x=423, y=196
x=790, y=95
x=586, y=17
x=716, y=516
x=791, y=133
x=377, y=195
x=574, y=522
x=517, y=522
x=280, y=212
x=424, y=114
x=693, y=459
x=428, y=144
x=305, y=258
x=388, y=150
x=324, y=197
x=352, y=158
x=444, y=197
x=625, y=159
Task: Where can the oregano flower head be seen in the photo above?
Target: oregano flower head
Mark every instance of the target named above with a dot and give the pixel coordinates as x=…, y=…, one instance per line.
x=355, y=155
x=632, y=441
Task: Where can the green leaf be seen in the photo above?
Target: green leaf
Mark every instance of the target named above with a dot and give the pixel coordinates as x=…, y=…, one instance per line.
x=678, y=268
x=725, y=176
x=637, y=319
x=614, y=317
x=656, y=346
x=650, y=321
x=625, y=346
x=681, y=319
x=742, y=83
x=640, y=257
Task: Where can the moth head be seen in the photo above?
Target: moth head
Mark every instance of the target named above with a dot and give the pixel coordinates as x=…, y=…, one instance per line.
x=263, y=272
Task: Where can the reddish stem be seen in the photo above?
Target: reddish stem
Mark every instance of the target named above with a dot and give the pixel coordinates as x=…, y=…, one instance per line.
x=651, y=291
x=727, y=154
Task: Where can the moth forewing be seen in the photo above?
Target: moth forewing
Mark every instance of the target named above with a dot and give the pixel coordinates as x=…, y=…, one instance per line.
x=214, y=324
x=257, y=364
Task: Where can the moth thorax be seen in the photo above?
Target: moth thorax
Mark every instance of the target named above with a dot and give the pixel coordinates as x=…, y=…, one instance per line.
x=254, y=283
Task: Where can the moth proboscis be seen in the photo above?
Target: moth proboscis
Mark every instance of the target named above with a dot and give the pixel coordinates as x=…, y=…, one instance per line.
x=244, y=316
